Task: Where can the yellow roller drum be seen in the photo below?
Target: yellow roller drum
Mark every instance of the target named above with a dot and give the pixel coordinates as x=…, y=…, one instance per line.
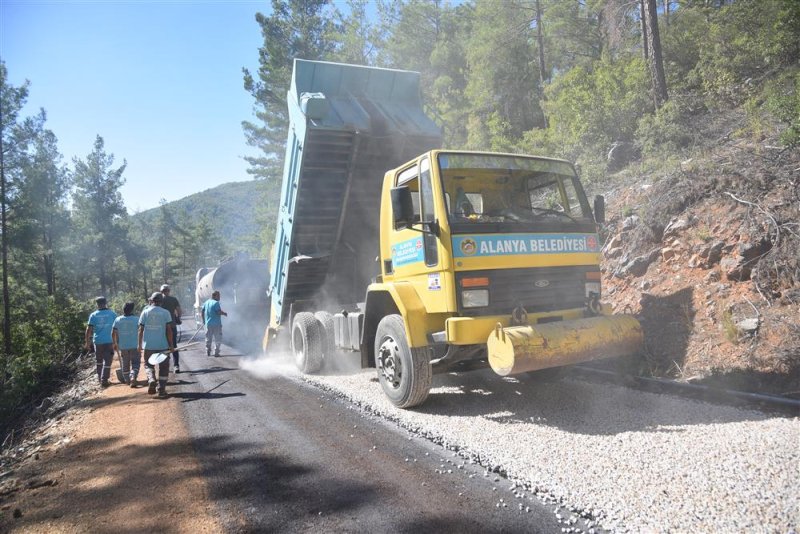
x=519, y=349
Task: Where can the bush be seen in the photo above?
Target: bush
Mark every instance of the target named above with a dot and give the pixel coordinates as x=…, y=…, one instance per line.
x=747, y=41
x=44, y=344
x=591, y=109
x=666, y=131
x=782, y=100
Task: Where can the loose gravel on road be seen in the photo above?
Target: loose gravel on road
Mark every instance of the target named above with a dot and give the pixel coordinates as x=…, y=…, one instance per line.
x=631, y=460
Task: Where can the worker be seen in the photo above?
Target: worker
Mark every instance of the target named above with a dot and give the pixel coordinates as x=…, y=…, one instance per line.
x=124, y=334
x=98, y=332
x=172, y=305
x=155, y=335
x=212, y=313
x=463, y=206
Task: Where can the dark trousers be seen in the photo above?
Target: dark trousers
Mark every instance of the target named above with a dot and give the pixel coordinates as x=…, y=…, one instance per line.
x=104, y=354
x=176, y=359
x=163, y=369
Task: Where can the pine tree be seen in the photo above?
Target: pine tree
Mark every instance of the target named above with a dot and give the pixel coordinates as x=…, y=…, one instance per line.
x=98, y=210
x=295, y=29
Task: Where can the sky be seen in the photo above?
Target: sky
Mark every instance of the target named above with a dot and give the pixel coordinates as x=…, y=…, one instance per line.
x=160, y=82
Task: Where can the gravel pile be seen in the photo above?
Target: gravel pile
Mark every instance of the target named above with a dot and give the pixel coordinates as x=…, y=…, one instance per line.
x=627, y=460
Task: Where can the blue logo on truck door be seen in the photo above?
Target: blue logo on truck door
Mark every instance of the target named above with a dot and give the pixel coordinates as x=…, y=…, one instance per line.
x=516, y=244
x=410, y=251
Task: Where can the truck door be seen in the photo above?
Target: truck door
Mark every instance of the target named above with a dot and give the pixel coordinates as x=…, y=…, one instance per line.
x=416, y=255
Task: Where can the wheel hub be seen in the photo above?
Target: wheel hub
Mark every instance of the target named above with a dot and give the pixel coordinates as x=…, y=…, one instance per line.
x=389, y=365
x=299, y=347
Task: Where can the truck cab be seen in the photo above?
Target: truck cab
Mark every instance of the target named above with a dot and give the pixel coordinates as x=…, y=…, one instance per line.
x=475, y=246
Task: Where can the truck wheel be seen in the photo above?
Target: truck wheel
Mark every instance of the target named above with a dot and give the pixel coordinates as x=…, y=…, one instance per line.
x=326, y=322
x=307, y=342
x=404, y=374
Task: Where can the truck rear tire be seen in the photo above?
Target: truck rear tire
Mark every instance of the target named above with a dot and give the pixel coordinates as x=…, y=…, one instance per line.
x=404, y=373
x=307, y=339
x=326, y=322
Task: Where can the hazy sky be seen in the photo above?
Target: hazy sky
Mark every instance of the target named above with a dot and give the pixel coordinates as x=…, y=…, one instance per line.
x=161, y=82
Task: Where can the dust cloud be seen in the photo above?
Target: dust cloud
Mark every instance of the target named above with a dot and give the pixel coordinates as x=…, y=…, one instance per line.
x=265, y=367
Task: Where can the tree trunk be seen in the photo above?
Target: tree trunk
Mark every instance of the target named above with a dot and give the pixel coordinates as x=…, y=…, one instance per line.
x=656, y=62
x=4, y=254
x=164, y=281
x=102, y=266
x=642, y=21
x=543, y=76
x=47, y=262
x=540, y=42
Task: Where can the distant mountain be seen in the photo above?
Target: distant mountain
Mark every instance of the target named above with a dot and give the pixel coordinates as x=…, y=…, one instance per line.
x=230, y=207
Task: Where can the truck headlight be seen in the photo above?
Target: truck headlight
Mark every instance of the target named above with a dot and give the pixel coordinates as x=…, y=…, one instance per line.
x=475, y=298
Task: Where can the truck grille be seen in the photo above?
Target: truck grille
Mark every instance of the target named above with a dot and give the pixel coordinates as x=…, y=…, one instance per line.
x=509, y=288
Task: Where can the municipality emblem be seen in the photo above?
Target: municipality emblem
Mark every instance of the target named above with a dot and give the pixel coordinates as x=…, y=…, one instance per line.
x=469, y=247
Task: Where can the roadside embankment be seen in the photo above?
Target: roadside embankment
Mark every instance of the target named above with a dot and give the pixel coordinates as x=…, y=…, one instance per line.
x=120, y=460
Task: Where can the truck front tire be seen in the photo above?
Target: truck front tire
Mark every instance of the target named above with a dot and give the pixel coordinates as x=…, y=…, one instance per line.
x=307, y=340
x=404, y=373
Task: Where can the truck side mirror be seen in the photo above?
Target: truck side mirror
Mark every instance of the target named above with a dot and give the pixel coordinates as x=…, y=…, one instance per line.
x=599, y=209
x=402, y=207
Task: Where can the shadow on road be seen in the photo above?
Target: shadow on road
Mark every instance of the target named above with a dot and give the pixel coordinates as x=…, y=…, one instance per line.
x=189, y=396
x=272, y=493
x=210, y=370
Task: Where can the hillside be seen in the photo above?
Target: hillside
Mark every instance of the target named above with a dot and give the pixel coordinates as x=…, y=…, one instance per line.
x=232, y=208
x=706, y=251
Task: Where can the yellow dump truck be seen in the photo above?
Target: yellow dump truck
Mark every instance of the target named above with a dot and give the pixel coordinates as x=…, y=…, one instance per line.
x=468, y=259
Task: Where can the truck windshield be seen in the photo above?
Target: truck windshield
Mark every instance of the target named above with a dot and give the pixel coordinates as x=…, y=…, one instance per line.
x=491, y=190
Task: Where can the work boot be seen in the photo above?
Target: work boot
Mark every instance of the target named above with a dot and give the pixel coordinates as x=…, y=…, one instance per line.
x=151, y=387
x=105, y=383
x=162, y=393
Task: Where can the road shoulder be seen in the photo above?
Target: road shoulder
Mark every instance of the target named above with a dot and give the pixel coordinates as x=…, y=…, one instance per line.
x=119, y=460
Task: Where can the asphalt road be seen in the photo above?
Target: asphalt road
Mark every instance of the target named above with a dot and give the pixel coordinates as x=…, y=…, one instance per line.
x=280, y=455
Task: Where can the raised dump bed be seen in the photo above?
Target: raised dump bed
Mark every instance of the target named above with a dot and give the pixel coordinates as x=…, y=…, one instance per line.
x=348, y=125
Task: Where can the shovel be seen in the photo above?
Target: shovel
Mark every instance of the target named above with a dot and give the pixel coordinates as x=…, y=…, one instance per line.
x=120, y=375
x=184, y=347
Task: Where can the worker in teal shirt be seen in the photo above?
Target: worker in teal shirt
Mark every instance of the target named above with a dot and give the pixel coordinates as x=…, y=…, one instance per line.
x=155, y=335
x=98, y=332
x=212, y=318
x=125, y=334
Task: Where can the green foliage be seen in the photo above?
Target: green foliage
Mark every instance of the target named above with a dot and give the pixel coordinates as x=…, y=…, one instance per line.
x=117, y=302
x=97, y=213
x=666, y=131
x=503, y=88
x=432, y=38
x=47, y=335
x=222, y=220
x=782, y=99
x=588, y=109
x=294, y=29
x=745, y=42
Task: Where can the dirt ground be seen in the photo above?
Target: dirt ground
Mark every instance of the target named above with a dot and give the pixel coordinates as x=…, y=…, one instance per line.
x=706, y=256
x=120, y=461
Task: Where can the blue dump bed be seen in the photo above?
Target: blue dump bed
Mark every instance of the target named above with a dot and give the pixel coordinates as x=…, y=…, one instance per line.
x=348, y=125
